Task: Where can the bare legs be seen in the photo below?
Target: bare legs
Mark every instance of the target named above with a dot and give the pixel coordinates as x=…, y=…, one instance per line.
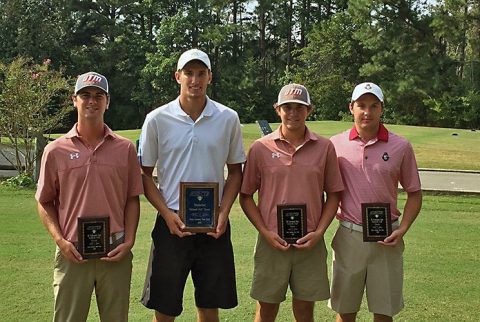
x=302, y=311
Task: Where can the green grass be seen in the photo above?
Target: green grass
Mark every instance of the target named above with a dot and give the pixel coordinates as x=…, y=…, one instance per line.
x=441, y=264
x=434, y=147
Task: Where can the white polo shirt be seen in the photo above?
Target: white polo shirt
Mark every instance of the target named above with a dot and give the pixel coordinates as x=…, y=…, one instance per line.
x=184, y=150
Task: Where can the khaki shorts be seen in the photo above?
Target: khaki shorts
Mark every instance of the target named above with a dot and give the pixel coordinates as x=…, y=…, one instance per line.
x=304, y=270
x=359, y=265
x=73, y=285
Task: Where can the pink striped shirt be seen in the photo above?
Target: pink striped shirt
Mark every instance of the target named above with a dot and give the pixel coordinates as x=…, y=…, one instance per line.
x=371, y=171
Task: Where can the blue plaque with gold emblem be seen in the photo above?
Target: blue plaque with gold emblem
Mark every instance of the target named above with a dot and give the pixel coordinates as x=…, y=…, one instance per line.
x=199, y=206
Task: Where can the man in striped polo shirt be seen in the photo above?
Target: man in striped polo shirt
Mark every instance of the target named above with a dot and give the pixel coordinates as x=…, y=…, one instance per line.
x=372, y=161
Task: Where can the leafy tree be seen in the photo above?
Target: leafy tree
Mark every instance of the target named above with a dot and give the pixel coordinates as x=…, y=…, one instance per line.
x=404, y=60
x=33, y=101
x=330, y=64
x=424, y=54
x=34, y=28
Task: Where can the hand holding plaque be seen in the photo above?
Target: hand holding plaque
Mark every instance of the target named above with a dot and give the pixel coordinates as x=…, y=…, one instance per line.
x=376, y=221
x=93, y=236
x=292, y=222
x=199, y=206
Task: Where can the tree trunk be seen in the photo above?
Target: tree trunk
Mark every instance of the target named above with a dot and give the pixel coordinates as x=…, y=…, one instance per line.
x=262, y=43
x=463, y=44
x=289, y=32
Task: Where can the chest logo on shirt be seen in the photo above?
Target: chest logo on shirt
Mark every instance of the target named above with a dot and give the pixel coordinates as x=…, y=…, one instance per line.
x=74, y=155
x=275, y=155
x=385, y=156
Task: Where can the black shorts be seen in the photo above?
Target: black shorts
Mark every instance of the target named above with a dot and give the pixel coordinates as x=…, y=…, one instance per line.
x=172, y=258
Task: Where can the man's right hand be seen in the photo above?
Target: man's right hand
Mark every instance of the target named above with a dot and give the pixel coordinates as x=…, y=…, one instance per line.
x=69, y=251
x=175, y=224
x=276, y=241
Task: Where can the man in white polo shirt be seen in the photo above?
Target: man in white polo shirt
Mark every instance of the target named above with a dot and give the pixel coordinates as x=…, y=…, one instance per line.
x=190, y=139
x=372, y=161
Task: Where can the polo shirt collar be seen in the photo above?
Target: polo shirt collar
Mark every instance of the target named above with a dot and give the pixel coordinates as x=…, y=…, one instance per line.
x=382, y=134
x=74, y=133
x=277, y=135
x=207, y=111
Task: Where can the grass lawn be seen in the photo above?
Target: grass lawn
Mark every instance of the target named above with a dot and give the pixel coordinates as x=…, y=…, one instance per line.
x=434, y=147
x=441, y=264
x=440, y=148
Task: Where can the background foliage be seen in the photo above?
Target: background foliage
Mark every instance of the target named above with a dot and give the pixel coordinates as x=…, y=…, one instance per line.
x=424, y=54
x=33, y=101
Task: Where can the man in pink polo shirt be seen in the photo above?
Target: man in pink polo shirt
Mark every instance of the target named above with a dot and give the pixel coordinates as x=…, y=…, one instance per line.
x=93, y=174
x=291, y=169
x=372, y=161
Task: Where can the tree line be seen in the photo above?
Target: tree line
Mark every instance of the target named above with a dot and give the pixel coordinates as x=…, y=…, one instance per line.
x=424, y=54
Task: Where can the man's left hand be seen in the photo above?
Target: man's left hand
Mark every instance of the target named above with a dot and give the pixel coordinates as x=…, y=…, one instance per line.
x=308, y=241
x=393, y=239
x=221, y=226
x=116, y=254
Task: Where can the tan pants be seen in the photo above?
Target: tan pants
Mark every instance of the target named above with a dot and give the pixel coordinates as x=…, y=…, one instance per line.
x=73, y=285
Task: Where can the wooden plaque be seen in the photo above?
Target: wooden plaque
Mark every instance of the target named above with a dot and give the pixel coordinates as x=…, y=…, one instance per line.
x=93, y=236
x=376, y=221
x=292, y=222
x=199, y=206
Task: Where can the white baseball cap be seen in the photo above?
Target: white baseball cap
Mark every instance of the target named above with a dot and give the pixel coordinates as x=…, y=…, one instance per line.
x=293, y=93
x=365, y=88
x=193, y=54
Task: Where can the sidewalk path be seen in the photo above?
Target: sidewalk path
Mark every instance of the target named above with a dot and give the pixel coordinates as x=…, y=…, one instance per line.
x=461, y=181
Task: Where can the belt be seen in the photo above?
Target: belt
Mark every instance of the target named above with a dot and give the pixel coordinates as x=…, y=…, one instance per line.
x=117, y=238
x=351, y=226
x=359, y=228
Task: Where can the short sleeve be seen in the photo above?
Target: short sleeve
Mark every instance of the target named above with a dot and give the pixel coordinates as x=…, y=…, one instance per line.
x=333, y=177
x=409, y=177
x=148, y=143
x=251, y=172
x=135, y=184
x=236, y=153
x=48, y=177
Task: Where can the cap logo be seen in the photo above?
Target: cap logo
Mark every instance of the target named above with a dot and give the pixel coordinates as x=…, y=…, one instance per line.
x=91, y=79
x=368, y=86
x=294, y=92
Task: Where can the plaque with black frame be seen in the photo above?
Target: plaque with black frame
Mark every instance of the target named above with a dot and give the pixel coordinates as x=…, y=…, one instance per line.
x=199, y=206
x=292, y=222
x=93, y=236
x=376, y=221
